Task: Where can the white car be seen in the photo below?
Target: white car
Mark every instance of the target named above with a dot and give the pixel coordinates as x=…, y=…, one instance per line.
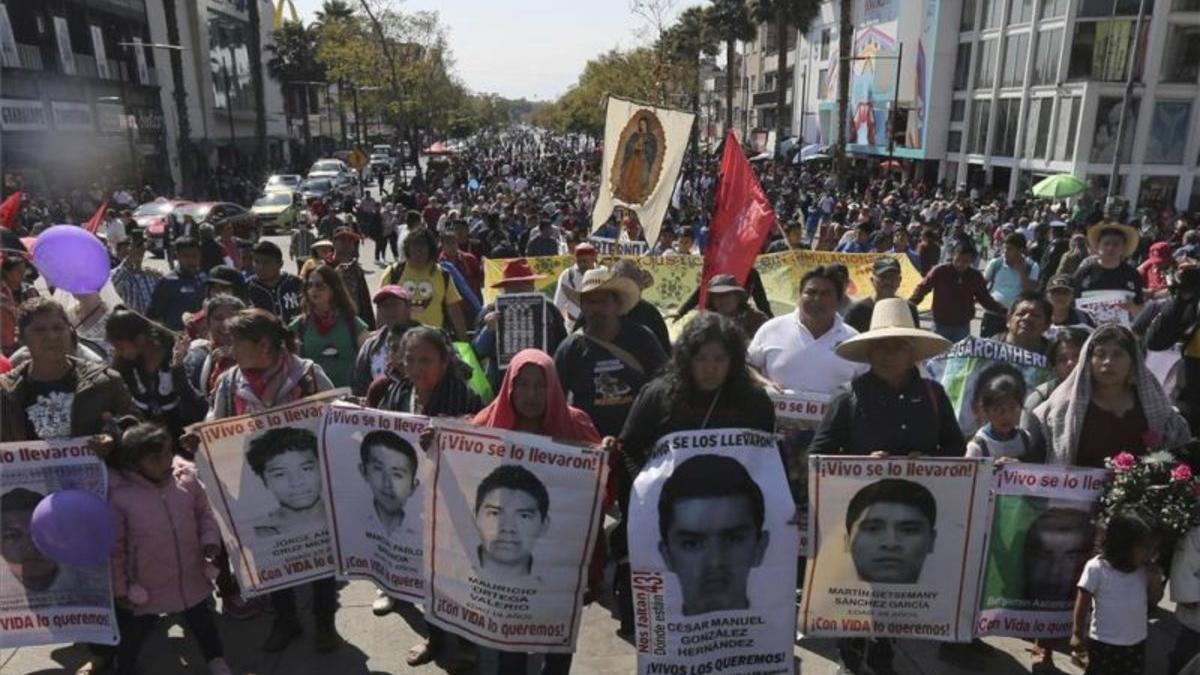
x=328, y=168
x=283, y=182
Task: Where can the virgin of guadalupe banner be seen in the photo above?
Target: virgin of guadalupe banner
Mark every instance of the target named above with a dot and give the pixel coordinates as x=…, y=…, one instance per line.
x=897, y=547
x=374, y=483
x=711, y=539
x=1042, y=534
x=959, y=368
x=643, y=150
x=42, y=601
x=263, y=477
x=511, y=520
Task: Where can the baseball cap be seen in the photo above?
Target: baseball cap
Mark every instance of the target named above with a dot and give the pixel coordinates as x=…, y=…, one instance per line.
x=1060, y=281
x=391, y=291
x=885, y=264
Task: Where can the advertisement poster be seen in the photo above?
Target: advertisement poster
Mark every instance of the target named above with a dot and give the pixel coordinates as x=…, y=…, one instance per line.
x=263, y=477
x=712, y=536
x=511, y=521
x=1106, y=306
x=522, y=324
x=897, y=547
x=42, y=601
x=1042, y=534
x=959, y=368
x=374, y=481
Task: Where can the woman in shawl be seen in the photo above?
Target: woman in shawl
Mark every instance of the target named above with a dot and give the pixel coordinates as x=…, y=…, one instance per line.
x=532, y=400
x=1110, y=403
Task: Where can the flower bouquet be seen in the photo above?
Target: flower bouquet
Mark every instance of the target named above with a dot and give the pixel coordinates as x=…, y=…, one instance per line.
x=1158, y=487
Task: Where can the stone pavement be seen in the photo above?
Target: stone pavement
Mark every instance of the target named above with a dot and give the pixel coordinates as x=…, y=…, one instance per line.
x=377, y=646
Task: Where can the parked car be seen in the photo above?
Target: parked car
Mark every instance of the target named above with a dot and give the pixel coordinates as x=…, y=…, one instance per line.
x=328, y=168
x=283, y=182
x=269, y=206
x=315, y=188
x=154, y=218
x=382, y=162
x=245, y=223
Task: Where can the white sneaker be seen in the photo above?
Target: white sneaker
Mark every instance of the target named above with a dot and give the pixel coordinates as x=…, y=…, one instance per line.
x=219, y=667
x=383, y=605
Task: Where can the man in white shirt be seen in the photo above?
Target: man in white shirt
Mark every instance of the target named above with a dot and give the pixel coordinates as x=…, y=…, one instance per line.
x=566, y=295
x=796, y=351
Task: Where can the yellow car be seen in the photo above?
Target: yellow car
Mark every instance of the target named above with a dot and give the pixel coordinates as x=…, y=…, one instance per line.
x=268, y=208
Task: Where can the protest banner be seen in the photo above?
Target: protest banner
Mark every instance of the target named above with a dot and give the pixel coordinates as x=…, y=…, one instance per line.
x=711, y=538
x=263, y=477
x=610, y=246
x=43, y=601
x=1041, y=536
x=958, y=370
x=512, y=519
x=523, y=323
x=1106, y=306
x=374, y=480
x=897, y=547
x=797, y=415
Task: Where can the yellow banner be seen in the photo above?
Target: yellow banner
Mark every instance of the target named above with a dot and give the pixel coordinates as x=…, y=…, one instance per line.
x=676, y=277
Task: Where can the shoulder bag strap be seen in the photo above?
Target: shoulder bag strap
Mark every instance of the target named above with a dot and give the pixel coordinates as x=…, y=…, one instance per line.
x=624, y=356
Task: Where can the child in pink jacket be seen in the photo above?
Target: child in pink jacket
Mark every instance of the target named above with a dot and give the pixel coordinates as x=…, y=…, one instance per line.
x=165, y=537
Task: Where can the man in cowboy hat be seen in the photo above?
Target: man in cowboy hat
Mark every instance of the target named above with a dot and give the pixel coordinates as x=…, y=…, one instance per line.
x=1113, y=243
x=518, y=278
x=885, y=277
x=566, y=294
x=643, y=313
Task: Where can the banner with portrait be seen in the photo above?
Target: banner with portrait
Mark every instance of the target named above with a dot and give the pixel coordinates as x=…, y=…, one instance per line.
x=643, y=150
x=712, y=551
x=263, y=476
x=960, y=368
x=797, y=415
x=522, y=323
x=374, y=477
x=43, y=601
x=1041, y=536
x=511, y=521
x=897, y=547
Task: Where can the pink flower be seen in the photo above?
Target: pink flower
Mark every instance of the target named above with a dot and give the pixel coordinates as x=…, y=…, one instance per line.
x=1181, y=472
x=1123, y=462
x=1151, y=438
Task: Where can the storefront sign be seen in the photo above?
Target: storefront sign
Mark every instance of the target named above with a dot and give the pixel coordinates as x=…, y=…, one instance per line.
x=22, y=115
x=71, y=116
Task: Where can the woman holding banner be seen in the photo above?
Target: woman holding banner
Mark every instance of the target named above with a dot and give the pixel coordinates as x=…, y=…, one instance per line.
x=1110, y=403
x=424, y=378
x=532, y=400
x=706, y=384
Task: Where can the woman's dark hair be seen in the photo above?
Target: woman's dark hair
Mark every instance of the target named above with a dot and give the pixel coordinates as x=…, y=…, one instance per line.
x=1124, y=533
x=421, y=235
x=256, y=324
x=139, y=440
x=1069, y=335
x=999, y=383
x=33, y=307
x=1120, y=336
x=342, y=302
x=126, y=325
x=440, y=341
x=705, y=328
x=830, y=273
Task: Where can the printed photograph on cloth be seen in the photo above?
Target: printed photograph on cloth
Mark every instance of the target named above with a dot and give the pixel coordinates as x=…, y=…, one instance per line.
x=711, y=533
x=512, y=520
x=374, y=487
x=896, y=546
x=263, y=477
x=43, y=601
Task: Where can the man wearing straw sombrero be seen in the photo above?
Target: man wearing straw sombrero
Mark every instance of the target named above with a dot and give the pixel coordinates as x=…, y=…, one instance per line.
x=889, y=410
x=1113, y=243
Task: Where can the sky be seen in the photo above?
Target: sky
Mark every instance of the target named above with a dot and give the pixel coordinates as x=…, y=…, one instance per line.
x=527, y=48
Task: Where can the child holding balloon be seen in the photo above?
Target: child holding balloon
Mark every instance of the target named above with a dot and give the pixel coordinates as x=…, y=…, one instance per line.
x=166, y=537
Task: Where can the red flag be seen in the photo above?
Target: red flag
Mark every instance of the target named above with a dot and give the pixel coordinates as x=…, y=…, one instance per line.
x=742, y=219
x=9, y=208
x=93, y=223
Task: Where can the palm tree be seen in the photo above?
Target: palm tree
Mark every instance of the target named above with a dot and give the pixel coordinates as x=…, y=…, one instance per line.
x=730, y=21
x=183, y=142
x=294, y=59
x=254, y=47
x=845, y=51
x=331, y=11
x=786, y=15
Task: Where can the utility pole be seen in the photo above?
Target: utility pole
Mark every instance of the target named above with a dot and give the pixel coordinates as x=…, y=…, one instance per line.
x=895, y=104
x=357, y=119
x=341, y=114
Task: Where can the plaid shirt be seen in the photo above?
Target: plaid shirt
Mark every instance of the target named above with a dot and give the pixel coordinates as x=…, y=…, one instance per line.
x=135, y=287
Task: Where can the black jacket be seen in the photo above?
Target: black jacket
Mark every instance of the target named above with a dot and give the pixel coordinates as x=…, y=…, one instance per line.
x=283, y=300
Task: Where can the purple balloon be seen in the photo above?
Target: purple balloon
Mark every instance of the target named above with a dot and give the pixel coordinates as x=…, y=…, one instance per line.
x=73, y=527
x=71, y=258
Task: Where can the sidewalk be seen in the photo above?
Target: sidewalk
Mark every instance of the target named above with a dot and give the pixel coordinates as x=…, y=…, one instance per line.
x=377, y=646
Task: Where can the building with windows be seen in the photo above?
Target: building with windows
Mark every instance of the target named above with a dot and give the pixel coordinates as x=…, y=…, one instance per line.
x=1001, y=93
x=764, y=69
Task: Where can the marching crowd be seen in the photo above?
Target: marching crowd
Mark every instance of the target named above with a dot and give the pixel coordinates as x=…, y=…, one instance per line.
x=230, y=330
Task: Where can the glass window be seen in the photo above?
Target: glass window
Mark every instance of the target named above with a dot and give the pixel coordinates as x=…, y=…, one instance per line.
x=1168, y=132
x=823, y=83
x=958, y=110
x=1101, y=50
x=1181, y=63
x=1007, y=116
x=1104, y=135
x=826, y=37
x=229, y=62
x=1021, y=11
x=985, y=67
x=1016, y=48
x=1052, y=9
x=993, y=13
x=967, y=20
x=1068, y=125
x=1037, y=128
x=1158, y=192
x=962, y=65
x=977, y=134
x=954, y=141
x=1049, y=47
x=1113, y=8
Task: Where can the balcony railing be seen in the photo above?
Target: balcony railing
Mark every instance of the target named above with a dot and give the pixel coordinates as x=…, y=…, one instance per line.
x=31, y=56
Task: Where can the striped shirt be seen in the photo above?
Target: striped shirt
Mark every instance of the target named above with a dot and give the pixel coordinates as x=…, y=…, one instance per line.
x=135, y=287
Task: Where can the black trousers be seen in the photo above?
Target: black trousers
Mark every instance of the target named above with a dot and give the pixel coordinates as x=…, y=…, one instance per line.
x=516, y=663
x=325, y=600
x=1186, y=648
x=861, y=655
x=199, y=619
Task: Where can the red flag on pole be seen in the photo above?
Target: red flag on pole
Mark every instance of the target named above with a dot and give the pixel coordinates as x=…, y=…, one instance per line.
x=9, y=208
x=93, y=223
x=742, y=219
